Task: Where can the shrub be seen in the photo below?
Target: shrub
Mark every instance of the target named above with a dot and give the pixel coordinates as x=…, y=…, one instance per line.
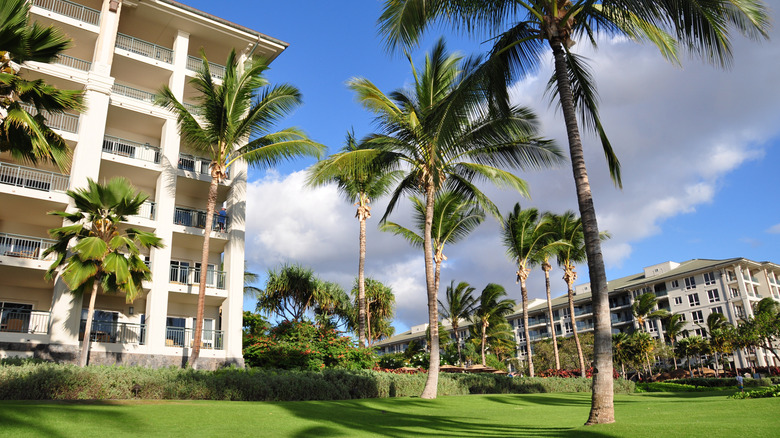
x=675, y=387
x=758, y=393
x=713, y=382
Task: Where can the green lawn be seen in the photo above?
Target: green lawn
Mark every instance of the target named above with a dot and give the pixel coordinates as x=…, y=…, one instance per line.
x=539, y=415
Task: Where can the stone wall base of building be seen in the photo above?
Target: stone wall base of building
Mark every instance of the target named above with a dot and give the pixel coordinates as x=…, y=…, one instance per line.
x=70, y=354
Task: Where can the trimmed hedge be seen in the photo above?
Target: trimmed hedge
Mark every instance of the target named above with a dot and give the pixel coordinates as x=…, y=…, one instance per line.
x=50, y=381
x=713, y=382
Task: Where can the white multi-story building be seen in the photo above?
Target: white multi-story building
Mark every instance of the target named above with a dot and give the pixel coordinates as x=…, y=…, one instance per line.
x=122, y=53
x=694, y=289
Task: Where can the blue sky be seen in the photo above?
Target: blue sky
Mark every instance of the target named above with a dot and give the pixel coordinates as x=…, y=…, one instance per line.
x=699, y=148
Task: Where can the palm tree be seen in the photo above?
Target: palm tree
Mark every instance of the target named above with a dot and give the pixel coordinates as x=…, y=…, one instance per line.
x=95, y=251
x=232, y=122
x=701, y=27
x=24, y=134
x=491, y=310
x=528, y=239
x=358, y=185
x=621, y=350
x=643, y=344
x=454, y=217
x=643, y=312
x=443, y=132
x=460, y=305
x=675, y=326
x=379, y=302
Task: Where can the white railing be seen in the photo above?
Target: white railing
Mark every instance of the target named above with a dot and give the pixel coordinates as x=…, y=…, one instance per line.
x=194, y=164
x=25, y=247
x=147, y=210
x=70, y=9
x=191, y=275
x=144, y=48
x=182, y=337
x=197, y=218
x=131, y=149
x=195, y=64
x=133, y=93
x=15, y=320
x=20, y=176
x=69, y=61
x=62, y=121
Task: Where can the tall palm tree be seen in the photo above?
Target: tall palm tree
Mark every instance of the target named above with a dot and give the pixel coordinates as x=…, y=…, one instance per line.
x=454, y=217
x=643, y=312
x=95, y=251
x=233, y=121
x=675, y=326
x=443, y=132
x=528, y=239
x=492, y=308
x=24, y=134
x=359, y=185
x=460, y=305
x=526, y=28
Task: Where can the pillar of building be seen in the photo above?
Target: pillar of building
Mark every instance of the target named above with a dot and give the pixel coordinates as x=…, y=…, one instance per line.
x=233, y=306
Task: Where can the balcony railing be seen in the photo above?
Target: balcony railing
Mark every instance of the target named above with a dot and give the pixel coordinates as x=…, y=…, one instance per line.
x=182, y=337
x=70, y=9
x=194, y=164
x=69, y=61
x=114, y=332
x=147, y=211
x=62, y=121
x=131, y=149
x=133, y=93
x=197, y=218
x=144, y=48
x=25, y=247
x=15, y=320
x=29, y=178
x=194, y=64
x=190, y=275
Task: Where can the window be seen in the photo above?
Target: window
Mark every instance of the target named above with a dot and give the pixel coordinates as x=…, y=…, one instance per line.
x=675, y=283
x=678, y=301
x=15, y=317
x=651, y=327
x=717, y=310
x=739, y=311
x=104, y=325
x=175, y=331
x=693, y=299
x=699, y=332
x=682, y=317
x=180, y=272
x=713, y=295
x=709, y=278
x=731, y=276
x=734, y=292
x=697, y=317
x=568, y=328
x=690, y=282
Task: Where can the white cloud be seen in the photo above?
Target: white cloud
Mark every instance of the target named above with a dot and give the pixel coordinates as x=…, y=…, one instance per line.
x=774, y=229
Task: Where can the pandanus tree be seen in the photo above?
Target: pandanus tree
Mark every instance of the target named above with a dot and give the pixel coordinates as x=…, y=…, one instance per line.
x=454, y=218
x=380, y=304
x=233, y=120
x=443, y=132
x=528, y=240
x=522, y=32
x=459, y=305
x=95, y=251
x=492, y=309
x=24, y=104
x=361, y=185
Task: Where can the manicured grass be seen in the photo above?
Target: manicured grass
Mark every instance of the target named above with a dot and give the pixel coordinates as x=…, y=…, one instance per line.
x=527, y=415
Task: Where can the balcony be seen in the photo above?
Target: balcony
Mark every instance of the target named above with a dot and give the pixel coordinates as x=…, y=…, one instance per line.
x=16, y=320
x=133, y=93
x=29, y=178
x=25, y=247
x=70, y=9
x=194, y=64
x=131, y=149
x=110, y=332
x=144, y=48
x=62, y=121
x=189, y=275
x=197, y=218
x=147, y=211
x=69, y=61
x=192, y=163
x=182, y=337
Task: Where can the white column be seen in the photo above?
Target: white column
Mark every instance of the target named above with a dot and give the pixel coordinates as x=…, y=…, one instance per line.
x=104, y=47
x=233, y=306
x=65, y=315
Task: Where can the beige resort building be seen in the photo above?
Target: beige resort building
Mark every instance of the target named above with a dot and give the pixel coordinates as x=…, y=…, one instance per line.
x=123, y=51
x=695, y=288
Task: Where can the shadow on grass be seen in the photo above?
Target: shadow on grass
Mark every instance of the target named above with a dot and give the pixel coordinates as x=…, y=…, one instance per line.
x=35, y=418
x=416, y=417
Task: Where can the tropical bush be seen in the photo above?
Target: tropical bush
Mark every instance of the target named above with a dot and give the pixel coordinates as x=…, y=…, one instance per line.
x=675, y=387
x=759, y=393
x=721, y=382
x=498, y=384
x=305, y=346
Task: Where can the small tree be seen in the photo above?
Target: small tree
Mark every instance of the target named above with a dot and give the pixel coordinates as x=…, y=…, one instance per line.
x=95, y=252
x=492, y=310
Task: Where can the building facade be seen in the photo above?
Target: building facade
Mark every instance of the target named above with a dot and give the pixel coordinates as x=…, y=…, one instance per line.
x=694, y=289
x=122, y=53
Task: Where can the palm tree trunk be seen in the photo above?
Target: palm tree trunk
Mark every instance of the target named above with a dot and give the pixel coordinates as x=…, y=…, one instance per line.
x=362, y=285
x=602, y=402
x=368, y=324
x=528, y=354
x=546, y=268
x=580, y=355
x=88, y=326
x=690, y=371
x=457, y=340
x=431, y=384
x=484, y=341
x=211, y=205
